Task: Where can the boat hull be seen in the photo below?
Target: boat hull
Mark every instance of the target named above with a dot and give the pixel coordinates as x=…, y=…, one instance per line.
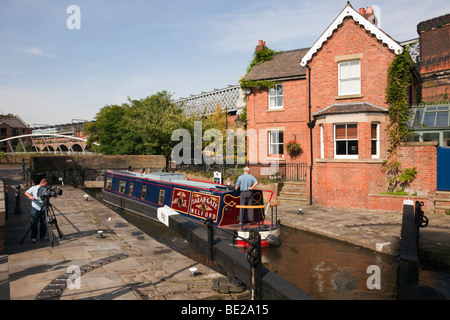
x=198, y=201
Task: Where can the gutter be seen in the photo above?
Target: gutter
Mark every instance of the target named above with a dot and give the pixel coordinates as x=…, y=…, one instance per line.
x=311, y=125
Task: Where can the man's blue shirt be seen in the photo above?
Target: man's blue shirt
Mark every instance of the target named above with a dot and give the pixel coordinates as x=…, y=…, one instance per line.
x=245, y=181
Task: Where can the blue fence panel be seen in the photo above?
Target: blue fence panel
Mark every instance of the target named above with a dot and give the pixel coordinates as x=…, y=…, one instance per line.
x=443, y=169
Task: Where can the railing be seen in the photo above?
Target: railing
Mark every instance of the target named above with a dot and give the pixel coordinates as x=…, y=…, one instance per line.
x=285, y=171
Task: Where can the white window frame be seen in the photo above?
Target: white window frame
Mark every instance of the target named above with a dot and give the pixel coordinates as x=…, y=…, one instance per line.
x=345, y=156
x=377, y=139
x=275, y=143
x=322, y=147
x=354, y=77
x=273, y=94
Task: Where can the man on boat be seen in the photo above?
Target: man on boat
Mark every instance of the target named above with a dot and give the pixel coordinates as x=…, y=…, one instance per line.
x=246, y=182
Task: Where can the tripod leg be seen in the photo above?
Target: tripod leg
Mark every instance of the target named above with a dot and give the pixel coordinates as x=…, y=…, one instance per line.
x=49, y=226
x=34, y=222
x=55, y=222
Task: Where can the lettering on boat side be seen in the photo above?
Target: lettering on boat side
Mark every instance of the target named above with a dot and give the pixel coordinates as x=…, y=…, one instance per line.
x=204, y=206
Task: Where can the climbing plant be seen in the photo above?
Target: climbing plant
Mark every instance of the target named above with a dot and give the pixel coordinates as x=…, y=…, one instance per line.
x=259, y=57
x=398, y=80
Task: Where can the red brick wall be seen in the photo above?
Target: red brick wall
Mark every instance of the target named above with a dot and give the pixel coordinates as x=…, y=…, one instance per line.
x=292, y=117
x=350, y=38
x=435, y=59
x=347, y=183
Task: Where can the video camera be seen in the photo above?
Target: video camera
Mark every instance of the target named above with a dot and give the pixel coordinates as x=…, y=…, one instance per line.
x=50, y=191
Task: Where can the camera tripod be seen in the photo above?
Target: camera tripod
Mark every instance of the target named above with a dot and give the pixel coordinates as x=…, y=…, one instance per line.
x=50, y=221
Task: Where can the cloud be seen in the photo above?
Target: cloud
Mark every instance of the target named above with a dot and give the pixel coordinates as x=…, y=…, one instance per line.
x=36, y=51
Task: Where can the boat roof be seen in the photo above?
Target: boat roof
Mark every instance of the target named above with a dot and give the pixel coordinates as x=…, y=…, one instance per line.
x=177, y=178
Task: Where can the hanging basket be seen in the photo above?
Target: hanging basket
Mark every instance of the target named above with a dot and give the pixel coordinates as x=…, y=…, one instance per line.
x=293, y=148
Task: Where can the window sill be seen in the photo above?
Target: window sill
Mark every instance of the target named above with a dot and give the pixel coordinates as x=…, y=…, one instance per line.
x=348, y=96
x=275, y=158
x=275, y=109
x=349, y=161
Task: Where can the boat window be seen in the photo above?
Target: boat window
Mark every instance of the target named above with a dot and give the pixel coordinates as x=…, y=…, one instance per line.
x=161, y=197
x=143, y=192
x=122, y=186
x=108, y=183
x=130, y=190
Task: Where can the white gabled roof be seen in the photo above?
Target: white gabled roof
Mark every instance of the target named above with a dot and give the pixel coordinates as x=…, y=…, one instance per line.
x=356, y=16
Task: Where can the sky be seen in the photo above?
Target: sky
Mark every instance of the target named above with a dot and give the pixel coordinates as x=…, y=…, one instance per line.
x=60, y=65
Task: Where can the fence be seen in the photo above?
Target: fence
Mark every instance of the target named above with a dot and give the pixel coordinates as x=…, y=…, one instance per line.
x=285, y=171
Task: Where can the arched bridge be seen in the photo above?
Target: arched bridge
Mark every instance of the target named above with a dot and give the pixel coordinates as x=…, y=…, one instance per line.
x=45, y=143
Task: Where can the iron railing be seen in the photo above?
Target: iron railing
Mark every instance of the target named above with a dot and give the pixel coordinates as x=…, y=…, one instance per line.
x=284, y=171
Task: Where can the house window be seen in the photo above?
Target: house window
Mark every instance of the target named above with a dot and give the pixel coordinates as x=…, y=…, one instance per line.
x=275, y=142
x=375, y=136
x=349, y=77
x=346, y=141
x=276, y=97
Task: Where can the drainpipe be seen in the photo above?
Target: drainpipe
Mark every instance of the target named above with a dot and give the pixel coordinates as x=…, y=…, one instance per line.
x=311, y=125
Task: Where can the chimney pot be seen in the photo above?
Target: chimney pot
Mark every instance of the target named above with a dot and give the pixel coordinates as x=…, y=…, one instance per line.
x=261, y=46
x=362, y=11
x=369, y=10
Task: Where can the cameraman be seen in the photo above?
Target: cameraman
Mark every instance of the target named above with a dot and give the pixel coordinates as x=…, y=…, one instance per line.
x=34, y=194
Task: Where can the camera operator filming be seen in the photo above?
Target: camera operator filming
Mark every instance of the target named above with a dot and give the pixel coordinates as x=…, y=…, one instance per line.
x=42, y=211
x=36, y=205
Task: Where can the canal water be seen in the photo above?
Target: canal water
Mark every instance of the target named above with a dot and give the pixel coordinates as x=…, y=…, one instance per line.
x=324, y=268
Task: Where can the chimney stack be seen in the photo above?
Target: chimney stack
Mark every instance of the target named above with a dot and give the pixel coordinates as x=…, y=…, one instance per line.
x=261, y=46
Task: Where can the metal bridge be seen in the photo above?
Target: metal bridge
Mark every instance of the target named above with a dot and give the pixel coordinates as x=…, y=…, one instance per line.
x=47, y=143
x=230, y=99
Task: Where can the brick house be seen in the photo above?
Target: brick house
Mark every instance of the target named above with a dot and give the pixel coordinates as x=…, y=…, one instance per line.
x=11, y=126
x=331, y=96
x=434, y=65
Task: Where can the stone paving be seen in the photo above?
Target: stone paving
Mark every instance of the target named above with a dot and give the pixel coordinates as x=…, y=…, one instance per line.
x=150, y=269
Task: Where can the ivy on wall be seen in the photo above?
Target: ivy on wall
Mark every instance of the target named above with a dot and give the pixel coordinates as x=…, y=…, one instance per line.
x=398, y=80
x=258, y=58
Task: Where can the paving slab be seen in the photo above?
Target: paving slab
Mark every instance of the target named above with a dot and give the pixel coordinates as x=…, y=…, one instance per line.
x=151, y=270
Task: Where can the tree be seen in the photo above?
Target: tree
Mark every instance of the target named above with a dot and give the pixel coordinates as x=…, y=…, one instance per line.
x=153, y=119
x=112, y=132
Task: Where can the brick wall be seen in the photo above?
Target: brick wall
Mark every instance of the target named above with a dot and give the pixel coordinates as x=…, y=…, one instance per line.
x=359, y=183
x=434, y=66
x=292, y=117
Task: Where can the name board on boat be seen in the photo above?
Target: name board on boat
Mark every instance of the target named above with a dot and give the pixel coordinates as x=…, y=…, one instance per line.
x=204, y=206
x=180, y=200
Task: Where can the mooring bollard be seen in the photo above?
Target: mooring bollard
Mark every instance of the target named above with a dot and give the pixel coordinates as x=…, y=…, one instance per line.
x=253, y=256
x=210, y=226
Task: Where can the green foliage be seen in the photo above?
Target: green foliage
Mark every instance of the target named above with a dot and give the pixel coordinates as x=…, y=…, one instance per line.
x=138, y=127
x=398, y=80
x=154, y=119
x=259, y=57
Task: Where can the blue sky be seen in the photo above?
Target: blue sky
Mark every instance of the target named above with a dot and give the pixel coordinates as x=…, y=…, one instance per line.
x=50, y=74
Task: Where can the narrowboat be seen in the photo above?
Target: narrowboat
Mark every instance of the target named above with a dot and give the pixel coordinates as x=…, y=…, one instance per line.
x=144, y=193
